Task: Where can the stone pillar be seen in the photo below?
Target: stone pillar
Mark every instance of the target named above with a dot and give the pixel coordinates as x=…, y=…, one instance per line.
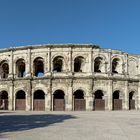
x=14, y=100
x=90, y=62
x=105, y=97
x=14, y=69
x=69, y=99
x=48, y=64
x=48, y=101
x=138, y=97
x=109, y=66
x=110, y=94
x=29, y=96
x=28, y=102
x=10, y=98
x=52, y=108
x=11, y=65
x=89, y=103
x=125, y=97
x=28, y=64
x=93, y=100
x=69, y=60
x=32, y=99
x=126, y=64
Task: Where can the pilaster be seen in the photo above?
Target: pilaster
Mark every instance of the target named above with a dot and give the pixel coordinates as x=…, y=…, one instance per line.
x=125, y=99
x=110, y=93
x=28, y=63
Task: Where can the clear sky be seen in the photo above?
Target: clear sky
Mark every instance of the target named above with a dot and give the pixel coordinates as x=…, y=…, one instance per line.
x=113, y=24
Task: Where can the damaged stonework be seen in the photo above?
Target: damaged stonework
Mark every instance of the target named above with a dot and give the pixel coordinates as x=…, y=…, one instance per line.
x=68, y=77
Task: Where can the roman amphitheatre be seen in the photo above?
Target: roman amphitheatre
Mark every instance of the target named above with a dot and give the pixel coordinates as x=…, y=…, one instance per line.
x=68, y=77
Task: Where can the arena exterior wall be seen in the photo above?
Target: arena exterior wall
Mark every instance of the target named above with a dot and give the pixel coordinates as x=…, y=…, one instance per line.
x=68, y=77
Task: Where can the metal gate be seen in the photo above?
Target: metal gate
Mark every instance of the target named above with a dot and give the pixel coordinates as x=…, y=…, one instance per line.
x=99, y=104
x=20, y=104
x=117, y=104
x=131, y=104
x=4, y=104
x=39, y=104
x=79, y=104
x=59, y=105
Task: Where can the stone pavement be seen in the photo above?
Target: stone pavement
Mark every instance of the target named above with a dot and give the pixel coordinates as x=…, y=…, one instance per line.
x=97, y=125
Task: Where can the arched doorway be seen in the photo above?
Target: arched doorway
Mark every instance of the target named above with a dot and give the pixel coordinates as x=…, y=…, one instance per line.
x=78, y=64
x=131, y=101
x=4, y=100
x=20, y=68
x=58, y=64
x=4, y=68
x=39, y=67
x=39, y=100
x=97, y=64
x=116, y=65
x=99, y=102
x=117, y=102
x=20, y=103
x=79, y=101
x=58, y=100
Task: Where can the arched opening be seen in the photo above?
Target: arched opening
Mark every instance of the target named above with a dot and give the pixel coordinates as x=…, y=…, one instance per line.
x=58, y=64
x=79, y=101
x=58, y=100
x=39, y=100
x=97, y=64
x=131, y=100
x=4, y=70
x=39, y=67
x=78, y=64
x=99, y=102
x=115, y=65
x=20, y=100
x=117, y=102
x=20, y=68
x=4, y=100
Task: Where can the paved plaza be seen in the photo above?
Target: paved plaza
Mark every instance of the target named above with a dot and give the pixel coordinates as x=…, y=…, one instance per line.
x=97, y=125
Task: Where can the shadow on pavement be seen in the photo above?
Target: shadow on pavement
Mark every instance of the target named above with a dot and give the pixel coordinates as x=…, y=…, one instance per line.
x=13, y=123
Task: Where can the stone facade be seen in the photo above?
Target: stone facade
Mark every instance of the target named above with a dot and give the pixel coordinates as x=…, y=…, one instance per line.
x=96, y=73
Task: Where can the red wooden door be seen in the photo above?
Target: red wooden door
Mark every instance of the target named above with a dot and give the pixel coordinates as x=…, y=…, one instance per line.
x=99, y=104
x=117, y=104
x=20, y=104
x=79, y=104
x=59, y=105
x=39, y=104
x=131, y=104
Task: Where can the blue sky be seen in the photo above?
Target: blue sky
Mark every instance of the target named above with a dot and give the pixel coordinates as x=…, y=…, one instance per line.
x=111, y=24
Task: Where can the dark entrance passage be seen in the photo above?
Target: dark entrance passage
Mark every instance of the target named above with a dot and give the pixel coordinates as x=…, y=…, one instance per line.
x=117, y=103
x=20, y=68
x=39, y=67
x=79, y=101
x=39, y=101
x=4, y=100
x=20, y=103
x=99, y=103
x=78, y=62
x=58, y=64
x=4, y=68
x=58, y=100
x=131, y=101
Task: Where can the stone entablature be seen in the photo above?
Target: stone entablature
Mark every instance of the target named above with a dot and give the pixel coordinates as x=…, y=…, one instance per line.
x=69, y=70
